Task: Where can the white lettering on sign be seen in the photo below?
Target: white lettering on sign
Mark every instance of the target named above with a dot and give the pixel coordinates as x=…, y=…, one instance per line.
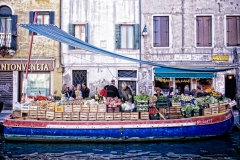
x=182, y=57
x=207, y=121
x=5, y=87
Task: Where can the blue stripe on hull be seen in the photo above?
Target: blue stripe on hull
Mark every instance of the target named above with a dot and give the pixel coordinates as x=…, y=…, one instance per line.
x=140, y=133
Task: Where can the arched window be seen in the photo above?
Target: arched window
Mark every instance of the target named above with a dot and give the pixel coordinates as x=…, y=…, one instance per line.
x=8, y=28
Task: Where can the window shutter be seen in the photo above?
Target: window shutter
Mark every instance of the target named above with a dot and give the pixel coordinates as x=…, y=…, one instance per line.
x=51, y=17
x=238, y=31
x=14, y=32
x=86, y=32
x=164, y=32
x=118, y=36
x=136, y=36
x=199, y=31
x=231, y=31
x=207, y=31
x=156, y=31
x=71, y=32
x=31, y=17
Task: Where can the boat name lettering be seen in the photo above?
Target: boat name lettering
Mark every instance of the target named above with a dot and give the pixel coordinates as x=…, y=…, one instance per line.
x=207, y=121
x=20, y=67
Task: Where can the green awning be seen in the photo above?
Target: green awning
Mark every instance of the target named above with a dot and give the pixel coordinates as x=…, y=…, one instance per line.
x=178, y=73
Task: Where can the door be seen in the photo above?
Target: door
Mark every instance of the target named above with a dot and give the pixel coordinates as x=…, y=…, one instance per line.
x=6, y=90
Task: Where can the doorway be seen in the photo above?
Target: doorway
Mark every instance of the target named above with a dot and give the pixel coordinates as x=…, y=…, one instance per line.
x=230, y=86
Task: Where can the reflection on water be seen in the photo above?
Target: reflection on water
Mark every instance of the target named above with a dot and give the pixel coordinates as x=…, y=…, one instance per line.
x=227, y=147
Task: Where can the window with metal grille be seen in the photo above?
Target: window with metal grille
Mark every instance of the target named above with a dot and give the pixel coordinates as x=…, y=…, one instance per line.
x=233, y=30
x=79, y=77
x=204, y=31
x=127, y=73
x=161, y=31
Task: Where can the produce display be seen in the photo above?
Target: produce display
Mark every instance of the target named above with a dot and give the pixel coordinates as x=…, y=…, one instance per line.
x=176, y=98
x=141, y=98
x=189, y=110
x=186, y=97
x=162, y=98
x=113, y=102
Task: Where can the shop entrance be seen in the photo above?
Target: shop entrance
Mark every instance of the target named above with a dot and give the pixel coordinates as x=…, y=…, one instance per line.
x=6, y=90
x=181, y=83
x=230, y=86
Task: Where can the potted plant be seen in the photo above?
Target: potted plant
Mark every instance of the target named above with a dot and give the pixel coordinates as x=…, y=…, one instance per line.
x=4, y=50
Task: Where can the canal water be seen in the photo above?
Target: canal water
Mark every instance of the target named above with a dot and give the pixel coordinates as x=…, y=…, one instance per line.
x=224, y=147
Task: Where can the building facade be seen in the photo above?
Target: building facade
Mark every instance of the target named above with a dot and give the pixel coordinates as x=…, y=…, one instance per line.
x=44, y=73
x=191, y=34
x=112, y=25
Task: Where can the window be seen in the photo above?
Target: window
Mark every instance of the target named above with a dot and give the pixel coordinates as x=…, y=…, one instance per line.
x=38, y=84
x=127, y=36
x=79, y=77
x=161, y=31
x=8, y=28
x=204, y=31
x=43, y=17
x=127, y=73
x=80, y=31
x=233, y=30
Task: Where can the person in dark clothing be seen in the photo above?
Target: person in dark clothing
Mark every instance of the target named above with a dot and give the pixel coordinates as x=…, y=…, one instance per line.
x=85, y=91
x=72, y=92
x=158, y=92
x=126, y=93
x=65, y=90
x=112, y=91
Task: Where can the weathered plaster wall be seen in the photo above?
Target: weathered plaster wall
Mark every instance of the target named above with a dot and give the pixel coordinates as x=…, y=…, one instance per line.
x=101, y=16
x=42, y=47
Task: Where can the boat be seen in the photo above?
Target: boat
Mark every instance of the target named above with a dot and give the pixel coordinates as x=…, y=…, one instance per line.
x=115, y=131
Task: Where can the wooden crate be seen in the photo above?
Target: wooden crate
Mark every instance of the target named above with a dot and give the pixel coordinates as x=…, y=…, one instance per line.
x=41, y=114
x=215, y=112
x=67, y=108
x=77, y=107
x=222, y=108
x=213, y=105
x=144, y=115
x=59, y=108
x=17, y=114
x=67, y=116
x=163, y=111
x=58, y=116
x=51, y=106
x=102, y=108
x=214, y=109
x=134, y=116
x=33, y=114
x=85, y=108
x=126, y=115
x=117, y=116
x=75, y=116
x=83, y=116
x=49, y=115
x=176, y=104
x=93, y=108
x=175, y=109
x=108, y=116
x=100, y=116
x=207, y=111
x=92, y=116
x=33, y=106
x=24, y=107
x=42, y=105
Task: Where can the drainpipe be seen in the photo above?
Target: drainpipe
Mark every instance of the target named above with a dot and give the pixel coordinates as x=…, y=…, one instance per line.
x=140, y=31
x=60, y=48
x=182, y=26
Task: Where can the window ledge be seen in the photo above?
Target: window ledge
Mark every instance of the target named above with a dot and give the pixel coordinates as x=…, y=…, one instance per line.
x=161, y=47
x=210, y=47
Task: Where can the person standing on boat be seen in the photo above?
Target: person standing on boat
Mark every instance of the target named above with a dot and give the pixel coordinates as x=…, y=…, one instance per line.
x=65, y=90
x=103, y=91
x=72, y=92
x=158, y=92
x=112, y=91
x=85, y=91
x=126, y=93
